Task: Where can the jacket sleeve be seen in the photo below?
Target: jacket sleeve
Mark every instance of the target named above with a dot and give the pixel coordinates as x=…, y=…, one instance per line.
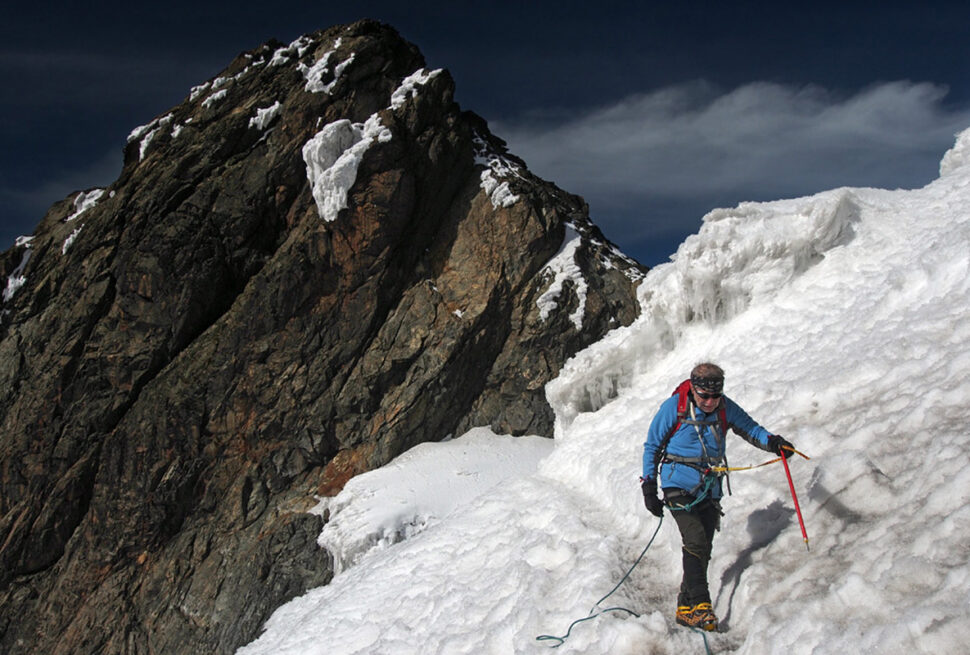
x=739, y=421
x=662, y=421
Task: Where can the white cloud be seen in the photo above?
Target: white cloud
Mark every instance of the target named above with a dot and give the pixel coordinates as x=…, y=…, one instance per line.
x=757, y=141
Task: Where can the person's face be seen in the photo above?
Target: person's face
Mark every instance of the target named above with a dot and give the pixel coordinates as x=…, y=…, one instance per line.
x=706, y=400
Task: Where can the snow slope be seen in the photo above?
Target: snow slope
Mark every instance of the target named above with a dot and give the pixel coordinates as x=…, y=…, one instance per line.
x=843, y=322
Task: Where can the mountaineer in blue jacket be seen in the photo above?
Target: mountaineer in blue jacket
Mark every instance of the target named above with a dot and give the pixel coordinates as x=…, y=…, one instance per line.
x=686, y=445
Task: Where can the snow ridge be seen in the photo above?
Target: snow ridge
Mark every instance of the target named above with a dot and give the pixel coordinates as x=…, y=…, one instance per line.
x=741, y=257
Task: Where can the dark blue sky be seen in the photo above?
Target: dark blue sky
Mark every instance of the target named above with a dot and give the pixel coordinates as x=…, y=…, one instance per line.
x=654, y=112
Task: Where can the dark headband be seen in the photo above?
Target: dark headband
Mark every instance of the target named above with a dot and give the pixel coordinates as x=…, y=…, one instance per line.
x=715, y=384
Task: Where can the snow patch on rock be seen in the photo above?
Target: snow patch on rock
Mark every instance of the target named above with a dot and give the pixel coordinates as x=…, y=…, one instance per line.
x=17, y=279
x=265, y=116
x=409, y=86
x=498, y=170
x=563, y=267
x=84, y=201
x=145, y=133
x=332, y=157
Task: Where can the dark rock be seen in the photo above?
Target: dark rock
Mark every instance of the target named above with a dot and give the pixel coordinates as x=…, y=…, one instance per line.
x=221, y=335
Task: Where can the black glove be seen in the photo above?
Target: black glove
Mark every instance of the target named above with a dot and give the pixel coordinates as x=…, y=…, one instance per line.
x=650, y=499
x=777, y=443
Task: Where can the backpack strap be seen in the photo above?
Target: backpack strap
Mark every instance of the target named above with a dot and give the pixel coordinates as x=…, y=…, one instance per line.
x=682, y=393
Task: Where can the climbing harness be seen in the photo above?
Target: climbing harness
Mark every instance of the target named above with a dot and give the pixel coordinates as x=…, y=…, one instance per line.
x=698, y=499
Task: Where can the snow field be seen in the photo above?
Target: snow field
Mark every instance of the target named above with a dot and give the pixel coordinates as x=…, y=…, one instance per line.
x=421, y=487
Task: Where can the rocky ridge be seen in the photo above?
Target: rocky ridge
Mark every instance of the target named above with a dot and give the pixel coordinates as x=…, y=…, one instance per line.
x=313, y=263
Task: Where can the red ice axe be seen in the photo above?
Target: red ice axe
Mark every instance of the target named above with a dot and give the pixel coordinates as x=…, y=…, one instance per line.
x=798, y=510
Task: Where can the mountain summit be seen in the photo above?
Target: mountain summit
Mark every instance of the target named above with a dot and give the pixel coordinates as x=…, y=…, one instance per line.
x=313, y=263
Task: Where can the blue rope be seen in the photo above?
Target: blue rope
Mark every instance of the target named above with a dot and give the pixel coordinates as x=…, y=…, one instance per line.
x=703, y=634
x=681, y=508
x=702, y=496
x=561, y=640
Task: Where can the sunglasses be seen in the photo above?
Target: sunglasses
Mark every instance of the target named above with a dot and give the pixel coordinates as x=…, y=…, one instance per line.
x=707, y=396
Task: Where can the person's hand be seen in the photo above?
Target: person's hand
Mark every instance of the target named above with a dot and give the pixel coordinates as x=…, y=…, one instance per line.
x=650, y=499
x=778, y=443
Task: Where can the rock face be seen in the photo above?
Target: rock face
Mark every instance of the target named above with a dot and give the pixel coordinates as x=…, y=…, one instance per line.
x=313, y=263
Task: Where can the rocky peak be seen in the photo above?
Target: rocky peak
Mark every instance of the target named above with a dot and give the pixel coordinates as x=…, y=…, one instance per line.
x=313, y=263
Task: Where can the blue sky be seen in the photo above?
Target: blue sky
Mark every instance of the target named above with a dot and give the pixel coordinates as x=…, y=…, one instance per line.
x=654, y=112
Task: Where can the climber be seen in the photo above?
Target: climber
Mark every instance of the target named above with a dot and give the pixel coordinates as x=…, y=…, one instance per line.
x=686, y=441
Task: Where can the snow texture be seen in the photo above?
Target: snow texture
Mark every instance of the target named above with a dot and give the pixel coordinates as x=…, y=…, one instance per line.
x=70, y=239
x=843, y=322
x=421, y=488
x=197, y=91
x=296, y=49
x=958, y=156
x=215, y=98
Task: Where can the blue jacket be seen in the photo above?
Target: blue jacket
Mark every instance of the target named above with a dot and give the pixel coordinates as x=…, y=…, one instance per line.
x=701, y=445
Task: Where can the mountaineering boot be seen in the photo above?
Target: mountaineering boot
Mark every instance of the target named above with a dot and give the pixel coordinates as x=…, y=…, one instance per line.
x=699, y=616
x=702, y=616
x=684, y=614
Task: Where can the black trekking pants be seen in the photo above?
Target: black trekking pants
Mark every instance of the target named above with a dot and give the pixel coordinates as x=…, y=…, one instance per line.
x=697, y=526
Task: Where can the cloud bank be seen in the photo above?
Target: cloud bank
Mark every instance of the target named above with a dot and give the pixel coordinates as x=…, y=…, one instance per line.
x=644, y=160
